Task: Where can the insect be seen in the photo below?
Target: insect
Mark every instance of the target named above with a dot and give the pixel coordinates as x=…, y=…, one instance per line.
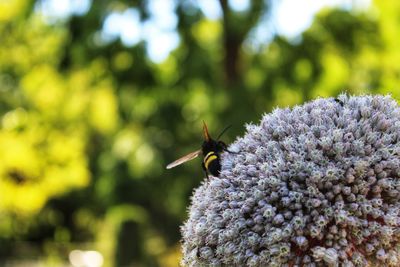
x=340, y=102
x=211, y=150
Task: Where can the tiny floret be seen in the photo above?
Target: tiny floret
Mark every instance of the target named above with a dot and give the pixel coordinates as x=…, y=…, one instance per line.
x=315, y=185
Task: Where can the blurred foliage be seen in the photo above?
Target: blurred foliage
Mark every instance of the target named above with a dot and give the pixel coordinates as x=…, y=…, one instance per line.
x=87, y=127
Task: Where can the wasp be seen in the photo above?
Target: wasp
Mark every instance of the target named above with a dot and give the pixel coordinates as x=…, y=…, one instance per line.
x=211, y=150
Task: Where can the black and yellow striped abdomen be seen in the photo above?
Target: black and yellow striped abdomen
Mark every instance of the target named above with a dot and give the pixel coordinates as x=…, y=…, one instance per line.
x=210, y=157
x=211, y=163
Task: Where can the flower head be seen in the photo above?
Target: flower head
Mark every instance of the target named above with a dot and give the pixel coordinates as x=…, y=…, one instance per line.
x=317, y=185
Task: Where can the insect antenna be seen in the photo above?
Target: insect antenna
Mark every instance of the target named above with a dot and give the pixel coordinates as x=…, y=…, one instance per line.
x=223, y=131
x=205, y=132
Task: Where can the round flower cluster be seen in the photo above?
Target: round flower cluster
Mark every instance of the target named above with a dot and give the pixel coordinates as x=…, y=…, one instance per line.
x=315, y=185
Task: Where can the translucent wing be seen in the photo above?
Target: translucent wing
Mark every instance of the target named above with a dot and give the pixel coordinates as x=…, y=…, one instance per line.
x=184, y=159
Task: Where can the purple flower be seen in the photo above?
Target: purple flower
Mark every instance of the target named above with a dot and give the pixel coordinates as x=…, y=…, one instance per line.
x=315, y=185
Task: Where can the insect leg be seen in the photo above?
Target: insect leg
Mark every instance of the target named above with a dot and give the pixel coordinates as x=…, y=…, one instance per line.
x=232, y=152
x=204, y=169
x=224, y=147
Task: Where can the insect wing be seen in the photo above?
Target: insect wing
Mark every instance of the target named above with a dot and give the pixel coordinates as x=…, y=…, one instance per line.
x=184, y=159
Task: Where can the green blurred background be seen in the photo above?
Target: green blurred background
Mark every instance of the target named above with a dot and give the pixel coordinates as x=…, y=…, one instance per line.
x=96, y=97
